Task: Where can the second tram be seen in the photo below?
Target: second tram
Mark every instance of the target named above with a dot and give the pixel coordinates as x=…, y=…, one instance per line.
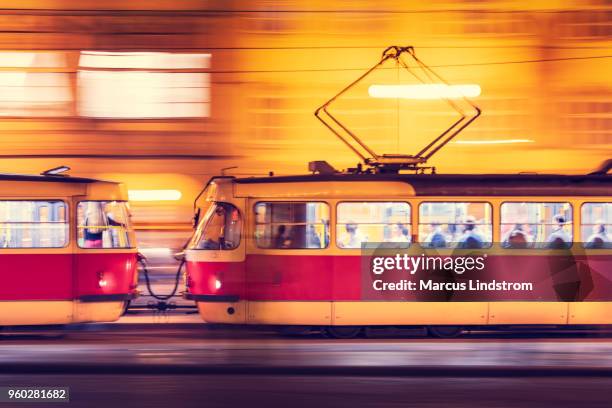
x=67, y=250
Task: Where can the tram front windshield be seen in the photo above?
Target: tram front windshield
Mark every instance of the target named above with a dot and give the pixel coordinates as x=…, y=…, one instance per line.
x=219, y=229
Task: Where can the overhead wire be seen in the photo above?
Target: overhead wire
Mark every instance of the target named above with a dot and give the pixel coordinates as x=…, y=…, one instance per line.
x=530, y=61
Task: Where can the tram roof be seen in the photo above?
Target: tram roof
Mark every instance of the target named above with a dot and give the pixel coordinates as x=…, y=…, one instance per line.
x=50, y=179
x=467, y=184
x=18, y=186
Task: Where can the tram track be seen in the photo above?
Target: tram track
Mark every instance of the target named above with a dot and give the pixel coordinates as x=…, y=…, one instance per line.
x=316, y=371
x=199, y=350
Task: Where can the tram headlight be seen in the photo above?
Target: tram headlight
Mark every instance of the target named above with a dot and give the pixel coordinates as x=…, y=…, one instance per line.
x=217, y=284
x=102, y=283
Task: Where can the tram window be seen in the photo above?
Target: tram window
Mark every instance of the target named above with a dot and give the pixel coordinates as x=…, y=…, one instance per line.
x=375, y=222
x=455, y=225
x=103, y=224
x=596, y=228
x=219, y=229
x=536, y=225
x=33, y=224
x=292, y=225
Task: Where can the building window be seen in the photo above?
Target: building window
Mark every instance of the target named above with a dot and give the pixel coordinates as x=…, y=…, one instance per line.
x=143, y=85
x=463, y=225
x=103, y=224
x=32, y=84
x=292, y=225
x=536, y=225
x=219, y=229
x=33, y=224
x=382, y=222
x=596, y=225
x=586, y=122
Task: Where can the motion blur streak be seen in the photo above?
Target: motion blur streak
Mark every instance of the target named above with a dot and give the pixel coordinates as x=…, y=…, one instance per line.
x=110, y=87
x=500, y=141
x=27, y=89
x=141, y=60
x=428, y=91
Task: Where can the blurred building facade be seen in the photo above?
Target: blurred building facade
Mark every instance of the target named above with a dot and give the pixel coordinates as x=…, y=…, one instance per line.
x=161, y=94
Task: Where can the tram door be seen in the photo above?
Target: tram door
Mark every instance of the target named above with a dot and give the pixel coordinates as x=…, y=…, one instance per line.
x=290, y=263
x=36, y=260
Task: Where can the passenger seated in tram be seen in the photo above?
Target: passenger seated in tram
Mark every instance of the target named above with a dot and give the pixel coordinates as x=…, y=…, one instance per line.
x=599, y=239
x=471, y=238
x=281, y=240
x=436, y=239
x=517, y=238
x=400, y=233
x=558, y=238
x=352, y=238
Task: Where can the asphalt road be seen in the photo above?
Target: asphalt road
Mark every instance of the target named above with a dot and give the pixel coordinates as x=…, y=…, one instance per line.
x=312, y=391
x=192, y=365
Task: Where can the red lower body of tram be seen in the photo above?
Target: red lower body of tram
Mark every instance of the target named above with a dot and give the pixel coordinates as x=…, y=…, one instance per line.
x=333, y=291
x=60, y=288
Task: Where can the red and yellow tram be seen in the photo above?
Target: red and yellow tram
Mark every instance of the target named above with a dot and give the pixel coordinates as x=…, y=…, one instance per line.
x=67, y=251
x=293, y=251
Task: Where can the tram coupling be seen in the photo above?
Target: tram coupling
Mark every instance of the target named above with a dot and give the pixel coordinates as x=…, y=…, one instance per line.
x=161, y=303
x=161, y=306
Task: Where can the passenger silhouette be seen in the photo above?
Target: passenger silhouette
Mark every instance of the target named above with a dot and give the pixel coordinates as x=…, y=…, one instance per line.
x=517, y=238
x=436, y=238
x=559, y=238
x=352, y=238
x=280, y=238
x=470, y=239
x=599, y=238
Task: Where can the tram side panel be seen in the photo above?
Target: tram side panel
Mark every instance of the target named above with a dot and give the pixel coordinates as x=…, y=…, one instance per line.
x=36, y=287
x=329, y=290
x=558, y=287
x=595, y=271
x=289, y=289
x=36, y=262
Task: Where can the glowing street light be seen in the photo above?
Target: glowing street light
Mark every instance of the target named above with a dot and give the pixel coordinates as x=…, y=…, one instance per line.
x=424, y=91
x=154, y=195
x=492, y=141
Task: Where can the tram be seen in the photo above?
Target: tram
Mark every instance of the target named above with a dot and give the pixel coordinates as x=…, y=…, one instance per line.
x=290, y=250
x=67, y=250
x=391, y=243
